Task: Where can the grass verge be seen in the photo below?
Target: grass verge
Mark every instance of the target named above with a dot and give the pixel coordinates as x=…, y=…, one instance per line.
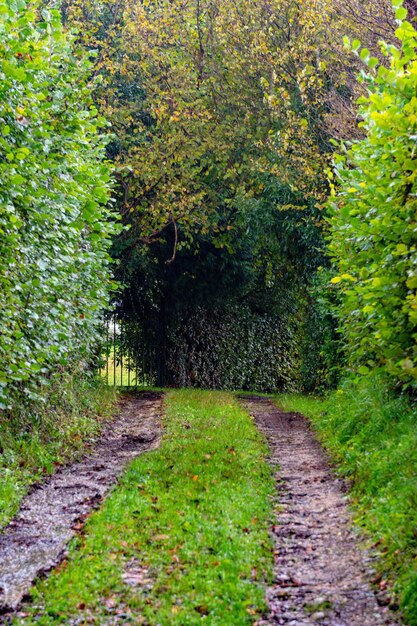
x=32, y=444
x=183, y=538
x=372, y=435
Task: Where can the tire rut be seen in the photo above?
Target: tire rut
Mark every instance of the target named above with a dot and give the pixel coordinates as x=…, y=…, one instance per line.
x=54, y=510
x=321, y=575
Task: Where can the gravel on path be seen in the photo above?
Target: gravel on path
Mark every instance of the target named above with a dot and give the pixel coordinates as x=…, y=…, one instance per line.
x=51, y=514
x=321, y=574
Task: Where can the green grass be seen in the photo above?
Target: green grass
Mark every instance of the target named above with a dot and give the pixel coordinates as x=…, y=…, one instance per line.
x=187, y=524
x=117, y=375
x=33, y=444
x=372, y=435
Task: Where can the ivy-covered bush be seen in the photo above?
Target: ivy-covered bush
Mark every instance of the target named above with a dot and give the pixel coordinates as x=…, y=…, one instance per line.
x=54, y=188
x=373, y=216
x=232, y=349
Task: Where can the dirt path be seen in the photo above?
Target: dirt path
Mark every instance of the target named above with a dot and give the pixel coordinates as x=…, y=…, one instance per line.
x=54, y=510
x=321, y=575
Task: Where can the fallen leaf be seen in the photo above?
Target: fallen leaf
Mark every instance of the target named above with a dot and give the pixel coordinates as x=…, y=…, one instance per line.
x=110, y=603
x=160, y=537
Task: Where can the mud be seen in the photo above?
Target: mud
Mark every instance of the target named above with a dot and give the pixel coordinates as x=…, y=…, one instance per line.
x=36, y=540
x=321, y=574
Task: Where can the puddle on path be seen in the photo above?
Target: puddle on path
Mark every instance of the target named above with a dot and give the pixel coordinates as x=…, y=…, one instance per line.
x=35, y=541
x=321, y=574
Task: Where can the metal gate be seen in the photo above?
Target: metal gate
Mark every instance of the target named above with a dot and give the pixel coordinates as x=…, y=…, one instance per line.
x=127, y=360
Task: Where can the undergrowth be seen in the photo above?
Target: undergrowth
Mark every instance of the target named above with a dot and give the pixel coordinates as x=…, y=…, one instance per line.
x=34, y=441
x=372, y=435
x=183, y=539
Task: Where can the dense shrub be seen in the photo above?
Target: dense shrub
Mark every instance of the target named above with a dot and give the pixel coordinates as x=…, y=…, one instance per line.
x=232, y=349
x=54, y=186
x=373, y=230
x=322, y=355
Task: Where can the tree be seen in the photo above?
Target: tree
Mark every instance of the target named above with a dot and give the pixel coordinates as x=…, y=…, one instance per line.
x=223, y=114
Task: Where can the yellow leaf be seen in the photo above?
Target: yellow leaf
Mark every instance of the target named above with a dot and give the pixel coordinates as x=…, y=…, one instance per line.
x=368, y=308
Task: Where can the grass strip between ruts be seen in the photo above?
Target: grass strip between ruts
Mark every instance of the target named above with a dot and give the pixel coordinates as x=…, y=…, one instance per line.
x=183, y=538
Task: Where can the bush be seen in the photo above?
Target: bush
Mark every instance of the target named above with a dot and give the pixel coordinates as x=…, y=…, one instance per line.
x=321, y=346
x=55, y=229
x=232, y=349
x=373, y=233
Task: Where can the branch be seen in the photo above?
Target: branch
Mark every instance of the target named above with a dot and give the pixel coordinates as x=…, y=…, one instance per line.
x=174, y=252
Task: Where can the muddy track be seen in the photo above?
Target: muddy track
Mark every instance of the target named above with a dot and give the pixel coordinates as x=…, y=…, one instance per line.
x=35, y=541
x=321, y=576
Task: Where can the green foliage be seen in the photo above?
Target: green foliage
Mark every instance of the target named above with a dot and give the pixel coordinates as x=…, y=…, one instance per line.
x=175, y=76
x=32, y=444
x=191, y=516
x=232, y=348
x=373, y=232
x=222, y=115
x=54, y=227
x=259, y=283
x=371, y=434
x=322, y=356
